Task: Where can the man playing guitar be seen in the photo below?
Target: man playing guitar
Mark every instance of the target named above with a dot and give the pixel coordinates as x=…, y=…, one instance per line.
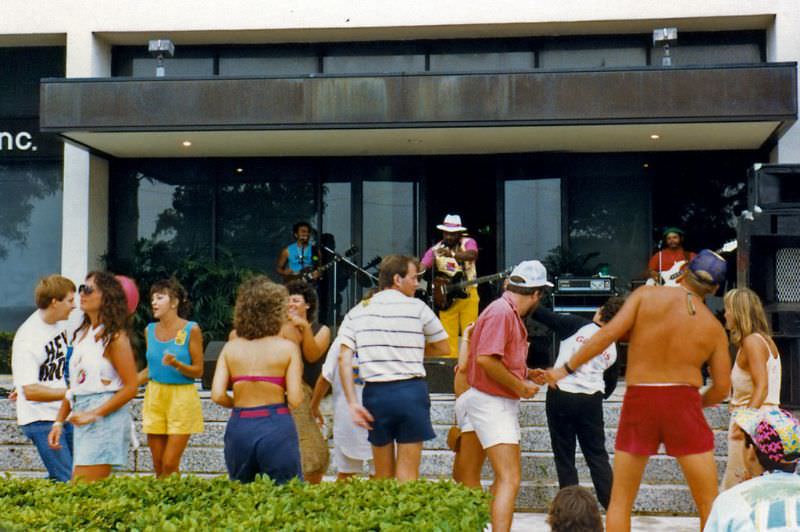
x=667, y=264
x=455, y=253
x=299, y=258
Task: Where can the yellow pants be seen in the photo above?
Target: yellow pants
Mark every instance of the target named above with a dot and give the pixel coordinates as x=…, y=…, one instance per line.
x=460, y=314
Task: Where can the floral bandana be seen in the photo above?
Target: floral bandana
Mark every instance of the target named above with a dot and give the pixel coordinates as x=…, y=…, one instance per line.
x=775, y=432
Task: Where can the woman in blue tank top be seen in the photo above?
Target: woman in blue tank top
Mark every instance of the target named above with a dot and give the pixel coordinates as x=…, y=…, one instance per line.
x=171, y=412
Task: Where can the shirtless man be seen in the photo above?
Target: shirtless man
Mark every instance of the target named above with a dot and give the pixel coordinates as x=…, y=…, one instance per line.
x=672, y=334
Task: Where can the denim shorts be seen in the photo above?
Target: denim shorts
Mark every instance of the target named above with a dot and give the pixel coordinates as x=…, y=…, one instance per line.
x=402, y=411
x=107, y=440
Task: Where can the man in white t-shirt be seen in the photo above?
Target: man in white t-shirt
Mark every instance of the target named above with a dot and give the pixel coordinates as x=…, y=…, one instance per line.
x=38, y=361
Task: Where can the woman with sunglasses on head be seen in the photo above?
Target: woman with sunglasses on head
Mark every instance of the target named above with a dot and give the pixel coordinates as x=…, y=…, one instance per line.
x=102, y=380
x=756, y=373
x=265, y=371
x=171, y=412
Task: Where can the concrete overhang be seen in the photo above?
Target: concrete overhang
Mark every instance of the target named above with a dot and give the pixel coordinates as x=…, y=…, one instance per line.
x=688, y=108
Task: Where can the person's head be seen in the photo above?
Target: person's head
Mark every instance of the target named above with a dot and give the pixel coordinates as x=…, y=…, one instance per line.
x=771, y=437
x=102, y=297
x=260, y=308
x=55, y=294
x=527, y=284
x=574, y=509
x=169, y=295
x=451, y=229
x=609, y=309
x=673, y=237
x=744, y=314
x=399, y=272
x=302, y=300
x=302, y=232
x=706, y=271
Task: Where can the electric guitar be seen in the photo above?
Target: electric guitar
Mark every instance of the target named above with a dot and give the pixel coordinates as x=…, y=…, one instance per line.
x=307, y=273
x=670, y=277
x=447, y=289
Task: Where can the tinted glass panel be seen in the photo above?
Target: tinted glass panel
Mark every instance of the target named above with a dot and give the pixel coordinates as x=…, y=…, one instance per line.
x=337, y=233
x=532, y=219
x=22, y=68
x=30, y=234
x=258, y=62
x=592, y=58
x=469, y=62
x=711, y=54
x=388, y=218
x=366, y=64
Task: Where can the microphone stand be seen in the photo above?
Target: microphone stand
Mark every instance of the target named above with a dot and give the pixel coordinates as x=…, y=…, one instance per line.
x=660, y=280
x=341, y=258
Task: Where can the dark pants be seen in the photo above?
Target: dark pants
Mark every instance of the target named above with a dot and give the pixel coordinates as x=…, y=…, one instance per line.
x=579, y=415
x=57, y=461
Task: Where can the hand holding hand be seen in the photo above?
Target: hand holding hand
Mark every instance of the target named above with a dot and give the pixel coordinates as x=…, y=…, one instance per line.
x=538, y=376
x=82, y=418
x=361, y=416
x=54, y=438
x=553, y=375
x=529, y=389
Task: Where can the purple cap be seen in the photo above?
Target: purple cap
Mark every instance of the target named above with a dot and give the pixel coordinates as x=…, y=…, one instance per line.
x=709, y=267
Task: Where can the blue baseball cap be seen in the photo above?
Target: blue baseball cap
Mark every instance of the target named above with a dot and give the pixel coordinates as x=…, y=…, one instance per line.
x=709, y=267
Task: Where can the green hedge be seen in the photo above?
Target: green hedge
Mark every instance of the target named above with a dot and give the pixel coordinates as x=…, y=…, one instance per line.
x=191, y=503
x=5, y=352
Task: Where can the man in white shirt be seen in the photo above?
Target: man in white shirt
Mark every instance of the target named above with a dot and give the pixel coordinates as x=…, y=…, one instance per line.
x=392, y=333
x=575, y=407
x=38, y=362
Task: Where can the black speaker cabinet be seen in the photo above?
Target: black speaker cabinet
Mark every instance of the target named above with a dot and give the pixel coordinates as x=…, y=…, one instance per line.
x=210, y=356
x=774, y=186
x=789, y=348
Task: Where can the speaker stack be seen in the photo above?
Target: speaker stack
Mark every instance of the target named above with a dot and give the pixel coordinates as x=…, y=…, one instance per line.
x=769, y=262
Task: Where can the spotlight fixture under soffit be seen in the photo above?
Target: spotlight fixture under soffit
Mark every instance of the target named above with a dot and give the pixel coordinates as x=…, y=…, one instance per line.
x=655, y=136
x=186, y=143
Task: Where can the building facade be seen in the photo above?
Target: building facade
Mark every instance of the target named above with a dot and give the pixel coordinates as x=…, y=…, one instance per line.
x=547, y=126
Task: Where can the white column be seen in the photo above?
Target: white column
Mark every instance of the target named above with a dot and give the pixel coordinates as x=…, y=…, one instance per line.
x=84, y=224
x=783, y=44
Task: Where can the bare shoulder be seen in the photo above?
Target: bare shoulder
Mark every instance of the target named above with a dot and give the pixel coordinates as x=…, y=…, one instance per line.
x=754, y=343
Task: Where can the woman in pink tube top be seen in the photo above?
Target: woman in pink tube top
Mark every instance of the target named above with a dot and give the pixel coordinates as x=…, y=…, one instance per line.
x=265, y=371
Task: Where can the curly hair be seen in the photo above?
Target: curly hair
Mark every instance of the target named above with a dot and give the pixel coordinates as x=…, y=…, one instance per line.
x=175, y=290
x=300, y=287
x=574, y=509
x=747, y=314
x=113, y=306
x=260, y=308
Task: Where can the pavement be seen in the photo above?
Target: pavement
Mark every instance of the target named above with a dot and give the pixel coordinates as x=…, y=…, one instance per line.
x=527, y=522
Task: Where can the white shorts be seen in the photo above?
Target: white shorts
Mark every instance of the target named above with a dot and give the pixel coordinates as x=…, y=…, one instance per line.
x=494, y=419
x=345, y=464
x=462, y=421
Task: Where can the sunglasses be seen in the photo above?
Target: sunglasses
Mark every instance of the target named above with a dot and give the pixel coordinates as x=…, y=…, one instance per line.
x=85, y=289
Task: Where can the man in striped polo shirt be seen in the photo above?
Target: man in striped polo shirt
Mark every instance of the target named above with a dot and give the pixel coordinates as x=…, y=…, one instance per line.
x=392, y=332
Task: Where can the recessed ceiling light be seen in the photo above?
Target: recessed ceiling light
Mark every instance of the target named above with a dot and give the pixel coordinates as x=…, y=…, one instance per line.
x=239, y=170
x=655, y=136
x=646, y=165
x=187, y=143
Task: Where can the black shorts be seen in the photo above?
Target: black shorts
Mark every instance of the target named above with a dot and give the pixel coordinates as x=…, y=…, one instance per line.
x=401, y=411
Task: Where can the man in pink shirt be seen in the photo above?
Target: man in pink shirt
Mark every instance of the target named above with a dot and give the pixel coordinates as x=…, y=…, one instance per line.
x=498, y=376
x=453, y=260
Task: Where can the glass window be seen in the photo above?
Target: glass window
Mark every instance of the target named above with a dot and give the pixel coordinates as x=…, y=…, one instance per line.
x=388, y=218
x=187, y=62
x=610, y=217
x=369, y=64
x=709, y=54
x=482, y=62
x=22, y=69
x=30, y=234
x=532, y=218
x=261, y=62
x=592, y=57
x=337, y=235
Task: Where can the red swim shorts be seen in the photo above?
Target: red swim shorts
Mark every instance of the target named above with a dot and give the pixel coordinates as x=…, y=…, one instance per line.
x=672, y=415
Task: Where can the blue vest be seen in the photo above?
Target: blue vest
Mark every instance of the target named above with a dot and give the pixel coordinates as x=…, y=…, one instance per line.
x=178, y=346
x=300, y=259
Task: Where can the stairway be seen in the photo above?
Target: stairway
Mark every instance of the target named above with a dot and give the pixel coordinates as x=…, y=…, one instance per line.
x=663, y=489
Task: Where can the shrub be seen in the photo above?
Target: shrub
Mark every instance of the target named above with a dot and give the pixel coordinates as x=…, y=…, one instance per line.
x=6, y=338
x=191, y=503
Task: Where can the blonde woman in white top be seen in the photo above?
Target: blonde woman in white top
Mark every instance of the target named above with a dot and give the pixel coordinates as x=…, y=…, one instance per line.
x=102, y=380
x=756, y=374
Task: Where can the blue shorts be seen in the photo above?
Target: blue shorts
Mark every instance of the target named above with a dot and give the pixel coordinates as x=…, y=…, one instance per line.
x=107, y=440
x=402, y=411
x=262, y=440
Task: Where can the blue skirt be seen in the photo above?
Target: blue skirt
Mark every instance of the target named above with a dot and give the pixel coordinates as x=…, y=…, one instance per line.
x=107, y=440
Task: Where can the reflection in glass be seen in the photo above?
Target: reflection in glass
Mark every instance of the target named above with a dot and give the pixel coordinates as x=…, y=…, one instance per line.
x=532, y=219
x=336, y=227
x=388, y=223
x=30, y=234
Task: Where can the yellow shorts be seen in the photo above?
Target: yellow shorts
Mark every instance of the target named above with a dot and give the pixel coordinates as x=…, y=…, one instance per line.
x=171, y=409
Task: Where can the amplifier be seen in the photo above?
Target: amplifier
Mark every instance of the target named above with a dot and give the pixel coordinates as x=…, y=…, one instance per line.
x=585, y=285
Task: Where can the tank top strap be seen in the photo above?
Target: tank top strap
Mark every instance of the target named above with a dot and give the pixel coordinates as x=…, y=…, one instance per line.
x=188, y=327
x=769, y=347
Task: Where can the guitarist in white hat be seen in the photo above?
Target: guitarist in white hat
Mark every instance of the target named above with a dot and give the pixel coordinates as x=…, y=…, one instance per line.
x=455, y=256
x=669, y=262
